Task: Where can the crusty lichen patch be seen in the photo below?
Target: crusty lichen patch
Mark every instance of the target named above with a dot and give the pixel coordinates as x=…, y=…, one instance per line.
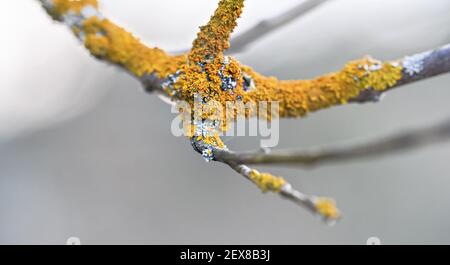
x=326, y=207
x=205, y=80
x=298, y=97
x=266, y=181
x=110, y=42
x=212, y=76
x=213, y=38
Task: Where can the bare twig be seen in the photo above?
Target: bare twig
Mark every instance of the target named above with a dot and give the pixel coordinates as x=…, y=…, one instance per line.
x=388, y=145
x=266, y=26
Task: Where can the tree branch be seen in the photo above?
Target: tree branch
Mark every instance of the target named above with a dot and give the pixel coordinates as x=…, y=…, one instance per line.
x=207, y=75
x=321, y=206
x=384, y=146
x=360, y=81
x=113, y=44
x=264, y=27
x=415, y=68
x=324, y=207
x=213, y=38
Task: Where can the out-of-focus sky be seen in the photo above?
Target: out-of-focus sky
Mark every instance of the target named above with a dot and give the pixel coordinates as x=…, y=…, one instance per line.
x=84, y=152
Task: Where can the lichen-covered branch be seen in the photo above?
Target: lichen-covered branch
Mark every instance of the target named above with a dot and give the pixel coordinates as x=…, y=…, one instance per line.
x=359, y=81
x=384, y=146
x=414, y=68
x=109, y=42
x=213, y=76
x=213, y=38
x=154, y=68
x=206, y=75
x=322, y=206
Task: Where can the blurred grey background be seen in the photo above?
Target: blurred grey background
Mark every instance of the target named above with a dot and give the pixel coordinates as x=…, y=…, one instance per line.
x=85, y=152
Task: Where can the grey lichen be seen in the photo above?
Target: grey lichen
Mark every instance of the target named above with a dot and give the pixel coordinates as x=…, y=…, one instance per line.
x=249, y=84
x=413, y=65
x=169, y=82
x=228, y=82
x=75, y=21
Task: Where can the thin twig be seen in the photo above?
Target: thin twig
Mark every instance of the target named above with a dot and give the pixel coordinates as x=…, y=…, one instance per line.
x=321, y=206
x=266, y=26
x=387, y=145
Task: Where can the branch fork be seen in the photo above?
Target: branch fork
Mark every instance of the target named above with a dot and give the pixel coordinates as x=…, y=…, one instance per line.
x=206, y=72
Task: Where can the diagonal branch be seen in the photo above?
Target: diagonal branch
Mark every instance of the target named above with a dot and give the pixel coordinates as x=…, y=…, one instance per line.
x=113, y=44
x=264, y=27
x=385, y=146
x=324, y=207
x=207, y=50
x=362, y=80
x=321, y=206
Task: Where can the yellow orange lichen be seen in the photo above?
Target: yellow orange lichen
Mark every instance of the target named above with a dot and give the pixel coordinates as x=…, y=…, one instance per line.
x=204, y=75
x=61, y=7
x=295, y=98
x=217, y=80
x=206, y=82
x=213, y=38
x=298, y=97
x=212, y=140
x=327, y=208
x=110, y=42
x=266, y=181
